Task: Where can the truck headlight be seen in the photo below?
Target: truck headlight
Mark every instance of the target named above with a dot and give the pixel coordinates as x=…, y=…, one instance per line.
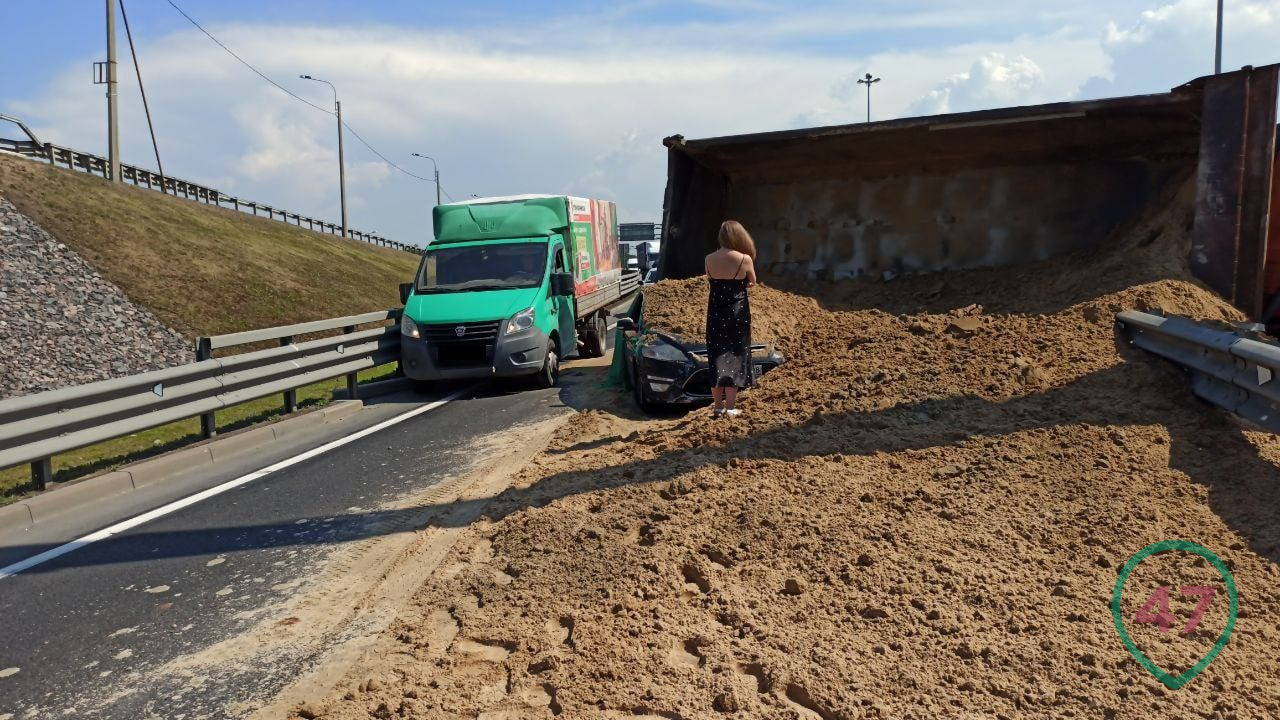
x=521, y=321
x=663, y=351
x=409, y=328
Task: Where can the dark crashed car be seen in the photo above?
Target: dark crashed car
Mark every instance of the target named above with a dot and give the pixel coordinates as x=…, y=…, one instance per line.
x=665, y=370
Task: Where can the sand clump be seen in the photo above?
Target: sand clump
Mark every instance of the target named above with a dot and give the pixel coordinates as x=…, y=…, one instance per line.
x=921, y=514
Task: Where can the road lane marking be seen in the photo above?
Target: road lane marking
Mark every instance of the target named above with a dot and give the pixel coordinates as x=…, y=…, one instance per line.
x=190, y=500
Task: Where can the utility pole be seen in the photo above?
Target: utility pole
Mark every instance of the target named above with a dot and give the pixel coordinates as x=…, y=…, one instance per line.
x=868, y=81
x=436, y=168
x=1217, y=55
x=342, y=168
x=113, y=117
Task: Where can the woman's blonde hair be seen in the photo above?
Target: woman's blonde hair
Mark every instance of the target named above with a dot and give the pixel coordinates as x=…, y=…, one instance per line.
x=735, y=237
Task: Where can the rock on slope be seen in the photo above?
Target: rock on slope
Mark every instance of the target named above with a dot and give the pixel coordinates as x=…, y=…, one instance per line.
x=62, y=324
x=921, y=514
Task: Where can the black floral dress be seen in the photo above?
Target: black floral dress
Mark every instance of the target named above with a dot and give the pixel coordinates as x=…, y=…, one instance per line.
x=729, y=332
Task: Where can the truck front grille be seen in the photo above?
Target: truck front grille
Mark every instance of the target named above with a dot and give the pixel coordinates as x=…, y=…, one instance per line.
x=469, y=332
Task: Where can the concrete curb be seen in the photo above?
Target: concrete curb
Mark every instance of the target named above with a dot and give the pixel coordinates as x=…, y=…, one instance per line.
x=52, y=503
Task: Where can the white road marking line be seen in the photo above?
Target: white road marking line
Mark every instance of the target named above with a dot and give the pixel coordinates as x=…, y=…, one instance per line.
x=190, y=500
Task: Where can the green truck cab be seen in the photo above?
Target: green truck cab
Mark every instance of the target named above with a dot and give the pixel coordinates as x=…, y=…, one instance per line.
x=511, y=285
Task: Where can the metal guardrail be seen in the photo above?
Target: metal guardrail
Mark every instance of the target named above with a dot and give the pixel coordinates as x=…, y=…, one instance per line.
x=33, y=428
x=58, y=156
x=1231, y=371
x=628, y=284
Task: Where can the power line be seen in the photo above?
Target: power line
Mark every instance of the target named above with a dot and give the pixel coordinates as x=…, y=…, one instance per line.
x=288, y=92
x=137, y=70
x=245, y=63
x=380, y=155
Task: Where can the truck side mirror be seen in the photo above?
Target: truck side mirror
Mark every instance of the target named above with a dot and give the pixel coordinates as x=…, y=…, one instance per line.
x=562, y=283
x=406, y=289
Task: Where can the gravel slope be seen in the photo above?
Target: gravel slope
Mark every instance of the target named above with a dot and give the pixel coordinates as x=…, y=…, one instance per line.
x=62, y=323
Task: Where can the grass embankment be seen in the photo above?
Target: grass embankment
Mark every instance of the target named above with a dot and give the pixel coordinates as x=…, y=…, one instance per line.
x=202, y=270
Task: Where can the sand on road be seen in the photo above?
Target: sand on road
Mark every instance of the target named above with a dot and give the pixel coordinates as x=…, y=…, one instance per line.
x=921, y=514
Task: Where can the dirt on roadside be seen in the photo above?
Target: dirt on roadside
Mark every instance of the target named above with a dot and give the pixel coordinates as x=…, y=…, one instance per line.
x=921, y=514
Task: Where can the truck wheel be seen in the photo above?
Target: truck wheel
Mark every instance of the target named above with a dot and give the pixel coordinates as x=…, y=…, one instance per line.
x=550, y=371
x=593, y=340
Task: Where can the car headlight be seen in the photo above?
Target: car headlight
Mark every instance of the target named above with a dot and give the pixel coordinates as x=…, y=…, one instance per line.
x=660, y=350
x=521, y=321
x=409, y=328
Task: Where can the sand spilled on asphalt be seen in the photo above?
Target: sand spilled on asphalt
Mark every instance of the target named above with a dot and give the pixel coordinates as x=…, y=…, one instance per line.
x=921, y=514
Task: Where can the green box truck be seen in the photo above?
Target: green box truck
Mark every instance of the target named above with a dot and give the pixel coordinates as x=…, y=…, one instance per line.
x=510, y=285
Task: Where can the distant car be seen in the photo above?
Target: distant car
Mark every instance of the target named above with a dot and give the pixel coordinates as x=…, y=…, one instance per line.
x=664, y=370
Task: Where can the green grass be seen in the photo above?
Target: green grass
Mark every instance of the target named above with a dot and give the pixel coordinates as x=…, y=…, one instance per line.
x=91, y=460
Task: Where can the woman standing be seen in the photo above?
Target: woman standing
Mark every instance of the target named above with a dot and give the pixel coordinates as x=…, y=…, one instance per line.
x=731, y=270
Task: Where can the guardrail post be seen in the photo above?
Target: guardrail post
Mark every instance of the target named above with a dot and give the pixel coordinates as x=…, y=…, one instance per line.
x=41, y=473
x=208, y=428
x=353, y=391
x=290, y=396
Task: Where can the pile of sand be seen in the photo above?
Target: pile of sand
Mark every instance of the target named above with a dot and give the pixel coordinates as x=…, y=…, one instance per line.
x=679, y=307
x=921, y=514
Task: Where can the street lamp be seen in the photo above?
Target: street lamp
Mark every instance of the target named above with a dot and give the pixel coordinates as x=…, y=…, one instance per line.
x=1217, y=55
x=868, y=81
x=342, y=171
x=436, y=168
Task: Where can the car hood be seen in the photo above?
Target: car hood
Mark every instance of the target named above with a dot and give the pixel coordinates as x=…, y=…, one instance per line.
x=699, y=349
x=476, y=306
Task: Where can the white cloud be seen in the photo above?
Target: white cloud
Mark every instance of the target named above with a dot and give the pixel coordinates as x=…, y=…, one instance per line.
x=994, y=80
x=1028, y=69
x=1174, y=42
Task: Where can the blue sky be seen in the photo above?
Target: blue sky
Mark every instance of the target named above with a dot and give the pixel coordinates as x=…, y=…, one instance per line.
x=567, y=96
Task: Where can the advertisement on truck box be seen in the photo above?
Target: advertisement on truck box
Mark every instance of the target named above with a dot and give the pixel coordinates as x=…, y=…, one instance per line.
x=593, y=235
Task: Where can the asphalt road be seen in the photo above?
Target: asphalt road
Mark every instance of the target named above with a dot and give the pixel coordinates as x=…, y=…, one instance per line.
x=84, y=634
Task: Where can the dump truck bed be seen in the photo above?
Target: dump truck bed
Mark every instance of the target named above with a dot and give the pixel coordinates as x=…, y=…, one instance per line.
x=992, y=188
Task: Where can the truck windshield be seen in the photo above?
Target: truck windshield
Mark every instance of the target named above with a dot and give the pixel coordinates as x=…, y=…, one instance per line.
x=483, y=267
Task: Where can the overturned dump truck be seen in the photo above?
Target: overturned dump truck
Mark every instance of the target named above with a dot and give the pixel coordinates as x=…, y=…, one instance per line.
x=993, y=188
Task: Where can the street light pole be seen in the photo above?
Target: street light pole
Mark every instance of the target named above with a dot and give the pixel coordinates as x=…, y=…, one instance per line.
x=435, y=168
x=1217, y=55
x=868, y=81
x=342, y=168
